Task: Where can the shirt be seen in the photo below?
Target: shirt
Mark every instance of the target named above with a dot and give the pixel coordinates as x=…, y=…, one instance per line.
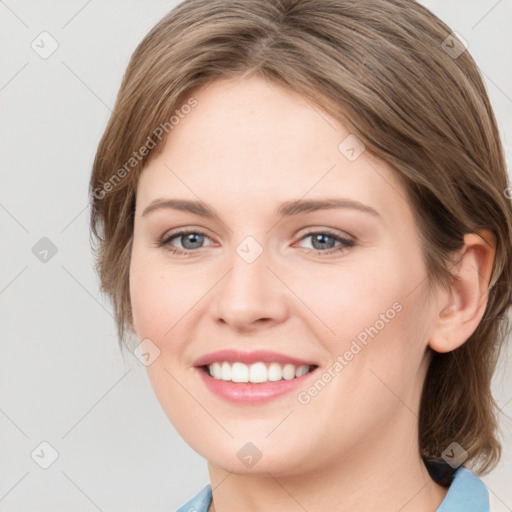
x=467, y=493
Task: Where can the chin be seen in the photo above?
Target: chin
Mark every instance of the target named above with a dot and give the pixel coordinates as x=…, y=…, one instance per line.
x=254, y=458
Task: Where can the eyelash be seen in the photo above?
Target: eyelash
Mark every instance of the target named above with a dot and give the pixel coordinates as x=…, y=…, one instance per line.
x=346, y=243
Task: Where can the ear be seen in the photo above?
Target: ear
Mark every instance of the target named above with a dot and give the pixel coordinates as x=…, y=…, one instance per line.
x=461, y=308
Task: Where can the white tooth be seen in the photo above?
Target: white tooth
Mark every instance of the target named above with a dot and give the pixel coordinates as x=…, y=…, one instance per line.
x=239, y=372
x=289, y=371
x=258, y=372
x=216, y=370
x=226, y=371
x=301, y=370
x=275, y=372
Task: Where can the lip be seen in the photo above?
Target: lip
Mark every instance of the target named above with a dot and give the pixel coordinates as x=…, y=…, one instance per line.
x=265, y=356
x=248, y=393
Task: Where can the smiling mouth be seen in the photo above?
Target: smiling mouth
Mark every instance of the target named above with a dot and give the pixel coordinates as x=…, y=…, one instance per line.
x=258, y=372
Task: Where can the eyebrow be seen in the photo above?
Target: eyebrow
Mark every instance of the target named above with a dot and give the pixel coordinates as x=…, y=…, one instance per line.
x=287, y=209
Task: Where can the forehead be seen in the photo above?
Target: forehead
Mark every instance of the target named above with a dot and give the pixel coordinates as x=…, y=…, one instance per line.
x=249, y=142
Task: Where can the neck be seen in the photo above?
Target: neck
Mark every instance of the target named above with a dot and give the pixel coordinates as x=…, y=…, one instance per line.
x=379, y=475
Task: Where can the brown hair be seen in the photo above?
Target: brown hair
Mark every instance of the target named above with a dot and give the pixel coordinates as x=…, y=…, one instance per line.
x=382, y=67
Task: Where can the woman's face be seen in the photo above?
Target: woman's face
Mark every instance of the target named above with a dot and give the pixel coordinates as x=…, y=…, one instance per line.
x=262, y=273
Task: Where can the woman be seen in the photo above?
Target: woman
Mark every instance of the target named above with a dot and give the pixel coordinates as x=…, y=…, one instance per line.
x=301, y=214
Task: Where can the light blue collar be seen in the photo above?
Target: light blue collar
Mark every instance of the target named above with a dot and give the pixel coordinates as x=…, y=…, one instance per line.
x=467, y=493
x=200, y=502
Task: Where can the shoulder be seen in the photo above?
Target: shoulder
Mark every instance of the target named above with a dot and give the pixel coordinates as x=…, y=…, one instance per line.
x=200, y=502
x=467, y=493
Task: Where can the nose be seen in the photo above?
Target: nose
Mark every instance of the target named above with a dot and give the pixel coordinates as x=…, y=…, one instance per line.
x=250, y=296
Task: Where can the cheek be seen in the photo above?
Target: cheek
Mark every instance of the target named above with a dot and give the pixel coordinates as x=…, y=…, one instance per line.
x=375, y=318
x=346, y=300
x=380, y=321
x=159, y=300
x=385, y=342
x=145, y=293
x=159, y=295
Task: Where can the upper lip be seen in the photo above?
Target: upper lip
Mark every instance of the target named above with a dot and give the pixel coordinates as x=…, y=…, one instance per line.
x=234, y=355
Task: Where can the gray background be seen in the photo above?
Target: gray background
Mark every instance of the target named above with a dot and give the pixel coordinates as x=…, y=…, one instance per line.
x=63, y=379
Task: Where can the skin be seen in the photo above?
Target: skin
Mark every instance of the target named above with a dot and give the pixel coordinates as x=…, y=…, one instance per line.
x=247, y=147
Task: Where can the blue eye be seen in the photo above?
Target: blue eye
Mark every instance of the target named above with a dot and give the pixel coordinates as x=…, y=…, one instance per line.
x=190, y=240
x=323, y=242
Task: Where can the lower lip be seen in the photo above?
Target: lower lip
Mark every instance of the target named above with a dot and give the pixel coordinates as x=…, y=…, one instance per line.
x=248, y=392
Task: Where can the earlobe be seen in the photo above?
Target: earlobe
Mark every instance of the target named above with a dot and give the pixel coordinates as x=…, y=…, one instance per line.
x=461, y=308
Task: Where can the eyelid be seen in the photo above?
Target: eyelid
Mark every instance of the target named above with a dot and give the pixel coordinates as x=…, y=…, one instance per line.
x=307, y=232
x=345, y=241
x=328, y=231
x=175, y=233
